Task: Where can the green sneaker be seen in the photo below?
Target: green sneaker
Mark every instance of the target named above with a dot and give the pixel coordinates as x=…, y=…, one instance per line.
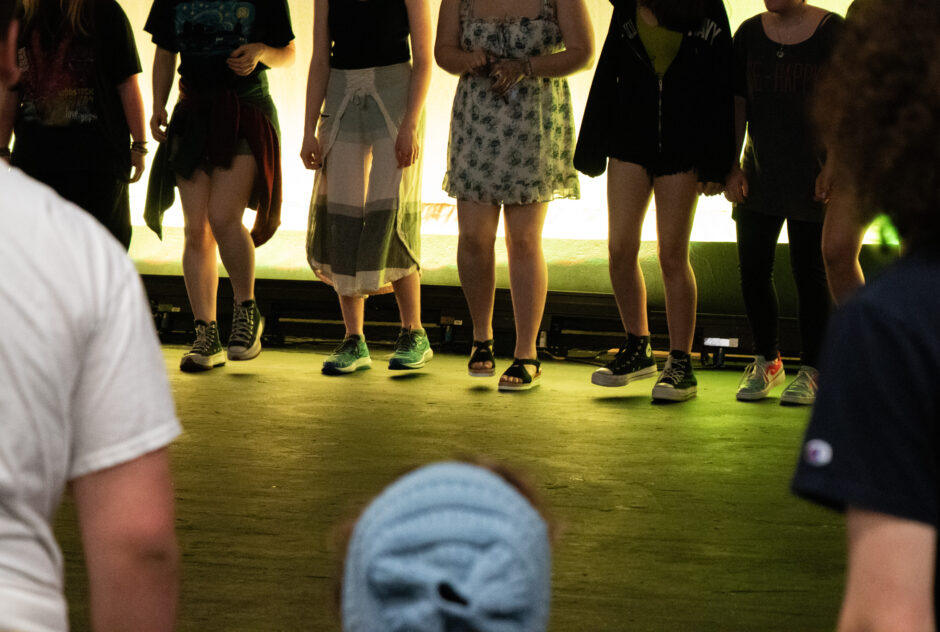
x=351, y=355
x=677, y=382
x=759, y=378
x=412, y=350
x=802, y=390
x=244, y=343
x=206, y=352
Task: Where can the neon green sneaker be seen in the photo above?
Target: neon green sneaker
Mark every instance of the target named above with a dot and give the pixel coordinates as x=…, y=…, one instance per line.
x=351, y=355
x=412, y=350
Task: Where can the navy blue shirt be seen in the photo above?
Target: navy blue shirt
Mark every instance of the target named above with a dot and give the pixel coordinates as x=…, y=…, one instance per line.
x=872, y=442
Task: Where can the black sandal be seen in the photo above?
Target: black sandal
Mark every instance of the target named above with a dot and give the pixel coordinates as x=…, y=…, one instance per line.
x=482, y=352
x=519, y=371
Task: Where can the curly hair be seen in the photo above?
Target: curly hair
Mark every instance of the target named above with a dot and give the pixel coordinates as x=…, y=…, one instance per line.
x=878, y=108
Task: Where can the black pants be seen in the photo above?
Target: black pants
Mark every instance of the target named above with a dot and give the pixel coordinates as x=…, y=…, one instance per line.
x=757, y=241
x=100, y=193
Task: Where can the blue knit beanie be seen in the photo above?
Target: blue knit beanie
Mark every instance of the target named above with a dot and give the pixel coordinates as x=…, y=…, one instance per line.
x=450, y=547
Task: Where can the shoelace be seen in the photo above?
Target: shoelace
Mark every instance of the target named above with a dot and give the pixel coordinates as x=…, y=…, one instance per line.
x=349, y=344
x=674, y=371
x=243, y=325
x=201, y=344
x=406, y=340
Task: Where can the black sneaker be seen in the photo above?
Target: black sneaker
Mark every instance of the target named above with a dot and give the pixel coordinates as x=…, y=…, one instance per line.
x=676, y=383
x=244, y=343
x=634, y=361
x=206, y=352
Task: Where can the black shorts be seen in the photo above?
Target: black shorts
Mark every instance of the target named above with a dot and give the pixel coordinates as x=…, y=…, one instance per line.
x=657, y=165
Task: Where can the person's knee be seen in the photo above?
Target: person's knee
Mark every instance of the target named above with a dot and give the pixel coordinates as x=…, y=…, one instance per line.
x=623, y=256
x=839, y=251
x=526, y=245
x=674, y=262
x=198, y=235
x=223, y=224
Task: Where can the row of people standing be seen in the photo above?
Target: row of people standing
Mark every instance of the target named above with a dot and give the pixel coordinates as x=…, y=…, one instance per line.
x=665, y=116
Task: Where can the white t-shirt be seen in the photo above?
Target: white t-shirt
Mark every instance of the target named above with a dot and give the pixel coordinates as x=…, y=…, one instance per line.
x=83, y=386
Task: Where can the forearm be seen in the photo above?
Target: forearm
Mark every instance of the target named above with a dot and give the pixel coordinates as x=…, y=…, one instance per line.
x=133, y=104
x=451, y=59
x=417, y=92
x=561, y=64
x=278, y=57
x=164, y=69
x=317, y=79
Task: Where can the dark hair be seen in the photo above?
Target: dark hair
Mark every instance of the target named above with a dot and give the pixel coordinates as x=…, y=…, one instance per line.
x=6, y=15
x=878, y=108
x=677, y=15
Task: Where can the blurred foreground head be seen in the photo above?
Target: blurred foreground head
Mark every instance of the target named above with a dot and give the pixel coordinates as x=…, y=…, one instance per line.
x=879, y=110
x=449, y=547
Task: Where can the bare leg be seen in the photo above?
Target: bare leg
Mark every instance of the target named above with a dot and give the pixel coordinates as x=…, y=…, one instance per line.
x=628, y=195
x=528, y=275
x=353, y=308
x=200, y=269
x=676, y=198
x=843, y=231
x=408, y=296
x=229, y=195
x=476, y=264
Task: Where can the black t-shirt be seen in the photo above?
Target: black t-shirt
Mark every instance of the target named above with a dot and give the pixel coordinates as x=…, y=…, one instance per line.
x=205, y=32
x=368, y=33
x=782, y=157
x=872, y=442
x=70, y=108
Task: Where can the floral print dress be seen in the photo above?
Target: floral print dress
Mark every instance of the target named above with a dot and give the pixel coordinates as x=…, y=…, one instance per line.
x=518, y=148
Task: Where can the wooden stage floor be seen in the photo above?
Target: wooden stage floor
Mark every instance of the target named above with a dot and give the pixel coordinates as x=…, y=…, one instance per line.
x=675, y=517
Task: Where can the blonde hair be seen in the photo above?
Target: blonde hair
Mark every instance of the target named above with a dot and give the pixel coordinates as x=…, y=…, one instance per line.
x=74, y=12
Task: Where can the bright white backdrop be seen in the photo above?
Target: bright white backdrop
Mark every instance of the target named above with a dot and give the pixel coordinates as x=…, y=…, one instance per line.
x=584, y=219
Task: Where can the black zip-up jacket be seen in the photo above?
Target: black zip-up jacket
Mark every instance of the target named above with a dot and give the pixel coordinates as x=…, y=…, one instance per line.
x=688, y=114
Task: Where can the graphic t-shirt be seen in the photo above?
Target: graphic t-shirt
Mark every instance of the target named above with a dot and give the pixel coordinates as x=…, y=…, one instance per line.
x=69, y=103
x=783, y=156
x=206, y=32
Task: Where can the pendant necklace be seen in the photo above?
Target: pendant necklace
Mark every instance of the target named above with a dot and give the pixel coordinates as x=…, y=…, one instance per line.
x=780, y=38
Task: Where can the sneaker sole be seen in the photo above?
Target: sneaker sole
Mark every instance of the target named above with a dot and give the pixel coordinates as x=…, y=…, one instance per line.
x=362, y=364
x=397, y=365
x=251, y=352
x=791, y=400
x=601, y=378
x=198, y=364
x=669, y=394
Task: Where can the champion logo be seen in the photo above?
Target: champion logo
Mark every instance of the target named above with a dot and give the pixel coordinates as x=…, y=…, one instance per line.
x=817, y=452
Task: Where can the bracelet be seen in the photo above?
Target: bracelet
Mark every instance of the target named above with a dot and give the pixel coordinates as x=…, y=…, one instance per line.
x=528, y=67
x=140, y=147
